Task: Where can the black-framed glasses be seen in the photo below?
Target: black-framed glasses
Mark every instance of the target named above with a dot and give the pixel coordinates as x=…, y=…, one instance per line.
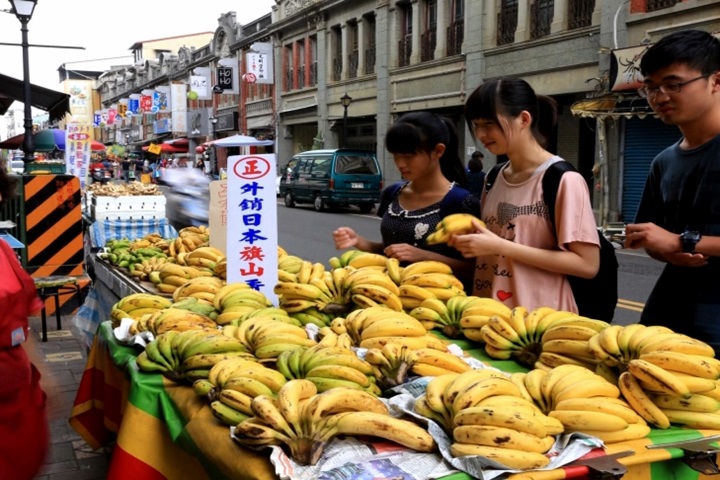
x=670, y=88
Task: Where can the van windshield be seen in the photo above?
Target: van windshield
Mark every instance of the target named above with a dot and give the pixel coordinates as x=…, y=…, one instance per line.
x=357, y=164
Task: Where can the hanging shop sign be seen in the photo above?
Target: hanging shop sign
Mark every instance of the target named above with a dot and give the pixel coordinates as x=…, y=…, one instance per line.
x=259, y=65
x=226, y=122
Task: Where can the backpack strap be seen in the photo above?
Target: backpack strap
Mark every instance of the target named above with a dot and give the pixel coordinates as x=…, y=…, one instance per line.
x=386, y=197
x=551, y=184
x=491, y=176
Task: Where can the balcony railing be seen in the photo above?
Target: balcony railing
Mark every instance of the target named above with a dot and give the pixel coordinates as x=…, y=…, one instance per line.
x=654, y=5
x=313, y=74
x=289, y=85
x=301, y=76
x=337, y=68
x=580, y=13
x=404, y=51
x=507, y=24
x=353, y=60
x=455, y=34
x=370, y=60
x=428, y=40
x=541, y=16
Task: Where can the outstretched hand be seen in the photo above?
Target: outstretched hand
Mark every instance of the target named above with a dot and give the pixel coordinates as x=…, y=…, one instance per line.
x=345, y=237
x=405, y=252
x=479, y=242
x=661, y=243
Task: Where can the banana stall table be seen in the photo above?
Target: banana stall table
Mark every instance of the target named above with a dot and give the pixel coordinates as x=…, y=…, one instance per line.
x=165, y=431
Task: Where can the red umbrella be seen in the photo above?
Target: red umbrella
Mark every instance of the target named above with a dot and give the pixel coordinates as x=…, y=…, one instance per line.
x=96, y=146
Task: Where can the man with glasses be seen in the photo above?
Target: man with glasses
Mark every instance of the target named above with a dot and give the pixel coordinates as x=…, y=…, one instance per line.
x=678, y=221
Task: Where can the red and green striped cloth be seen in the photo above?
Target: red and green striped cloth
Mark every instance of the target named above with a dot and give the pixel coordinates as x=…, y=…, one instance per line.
x=165, y=431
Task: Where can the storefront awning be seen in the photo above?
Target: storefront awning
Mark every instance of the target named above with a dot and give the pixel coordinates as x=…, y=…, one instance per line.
x=615, y=106
x=57, y=104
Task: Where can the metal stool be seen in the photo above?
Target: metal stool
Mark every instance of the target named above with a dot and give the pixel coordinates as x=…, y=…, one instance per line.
x=54, y=286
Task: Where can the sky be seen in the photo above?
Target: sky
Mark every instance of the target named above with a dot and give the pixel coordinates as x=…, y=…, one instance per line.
x=106, y=29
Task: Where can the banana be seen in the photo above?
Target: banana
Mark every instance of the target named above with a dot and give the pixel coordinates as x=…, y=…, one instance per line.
x=153, y=353
x=445, y=360
x=609, y=340
x=394, y=271
x=691, y=419
x=209, y=360
x=678, y=343
x=478, y=391
x=695, y=384
x=146, y=365
x=563, y=373
x=600, y=404
x=533, y=384
x=143, y=300
x=694, y=365
x=421, y=407
x=553, y=319
x=581, y=420
x=568, y=332
x=573, y=348
x=248, y=386
x=633, y=432
x=425, y=266
x=341, y=400
x=379, y=294
x=694, y=403
x=643, y=334
x=506, y=457
x=511, y=416
x=493, y=436
x=289, y=398
x=435, y=394
x=658, y=378
x=266, y=409
x=557, y=359
x=227, y=415
x=598, y=352
x=640, y=402
x=337, y=358
x=254, y=432
x=300, y=291
x=488, y=307
x=623, y=339
x=426, y=341
x=394, y=327
x=339, y=372
x=533, y=321
x=399, y=431
x=518, y=378
x=505, y=329
x=236, y=400
x=284, y=276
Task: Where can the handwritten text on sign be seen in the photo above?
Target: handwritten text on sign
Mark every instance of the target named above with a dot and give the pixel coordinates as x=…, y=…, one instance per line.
x=252, y=222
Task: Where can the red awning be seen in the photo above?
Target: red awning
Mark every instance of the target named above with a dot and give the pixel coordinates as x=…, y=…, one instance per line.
x=167, y=148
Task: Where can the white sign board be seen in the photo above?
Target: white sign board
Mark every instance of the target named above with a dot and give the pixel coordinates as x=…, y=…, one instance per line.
x=252, y=233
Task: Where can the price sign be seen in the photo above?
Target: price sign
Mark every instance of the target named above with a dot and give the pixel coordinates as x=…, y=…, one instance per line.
x=225, y=78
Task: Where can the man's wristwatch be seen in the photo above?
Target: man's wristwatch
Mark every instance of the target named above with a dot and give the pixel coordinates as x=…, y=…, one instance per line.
x=689, y=240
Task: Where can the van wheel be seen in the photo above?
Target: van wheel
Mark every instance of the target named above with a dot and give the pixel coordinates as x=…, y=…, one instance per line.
x=289, y=199
x=366, y=207
x=319, y=203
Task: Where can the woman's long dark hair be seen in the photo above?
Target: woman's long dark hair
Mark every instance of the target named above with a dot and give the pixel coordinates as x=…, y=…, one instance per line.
x=509, y=97
x=421, y=132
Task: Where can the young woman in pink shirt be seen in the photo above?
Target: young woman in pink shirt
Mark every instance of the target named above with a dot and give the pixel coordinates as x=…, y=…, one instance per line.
x=520, y=260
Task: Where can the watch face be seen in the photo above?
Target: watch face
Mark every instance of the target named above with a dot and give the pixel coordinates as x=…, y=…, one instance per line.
x=689, y=240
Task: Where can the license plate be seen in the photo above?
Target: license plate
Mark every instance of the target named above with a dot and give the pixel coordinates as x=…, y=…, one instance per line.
x=356, y=185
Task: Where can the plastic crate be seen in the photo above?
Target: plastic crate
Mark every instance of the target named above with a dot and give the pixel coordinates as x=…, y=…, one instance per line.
x=51, y=167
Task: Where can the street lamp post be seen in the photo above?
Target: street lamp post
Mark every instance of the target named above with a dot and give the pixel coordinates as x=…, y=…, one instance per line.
x=345, y=101
x=23, y=10
x=214, y=169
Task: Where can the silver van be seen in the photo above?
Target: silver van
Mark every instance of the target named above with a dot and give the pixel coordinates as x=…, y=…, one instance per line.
x=332, y=178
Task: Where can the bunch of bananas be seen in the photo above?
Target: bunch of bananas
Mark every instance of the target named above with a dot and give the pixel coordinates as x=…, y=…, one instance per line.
x=486, y=414
x=519, y=336
x=136, y=305
x=188, y=355
x=220, y=268
x=359, y=259
x=288, y=263
x=267, y=336
x=455, y=224
x=584, y=402
x=188, y=239
x=193, y=304
x=328, y=338
x=234, y=300
x=393, y=364
x=233, y=383
x=203, y=258
x=150, y=240
x=143, y=268
x=478, y=315
x=373, y=327
x=305, y=421
x=313, y=316
x=202, y=288
x=328, y=367
x=432, y=276
x=173, y=318
x=566, y=341
x=169, y=276
x=449, y=316
x=337, y=291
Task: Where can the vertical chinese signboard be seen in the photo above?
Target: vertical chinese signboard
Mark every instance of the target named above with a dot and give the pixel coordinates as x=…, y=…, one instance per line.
x=78, y=140
x=252, y=222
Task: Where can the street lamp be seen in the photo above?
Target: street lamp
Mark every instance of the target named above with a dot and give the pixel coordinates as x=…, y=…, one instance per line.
x=214, y=169
x=345, y=101
x=23, y=10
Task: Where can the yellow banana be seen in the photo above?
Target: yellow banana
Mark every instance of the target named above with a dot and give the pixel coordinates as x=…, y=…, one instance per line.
x=600, y=404
x=507, y=457
x=493, y=436
x=640, y=402
x=658, y=378
x=632, y=432
x=399, y=431
x=476, y=392
x=511, y=416
x=289, y=398
x=580, y=420
x=694, y=403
